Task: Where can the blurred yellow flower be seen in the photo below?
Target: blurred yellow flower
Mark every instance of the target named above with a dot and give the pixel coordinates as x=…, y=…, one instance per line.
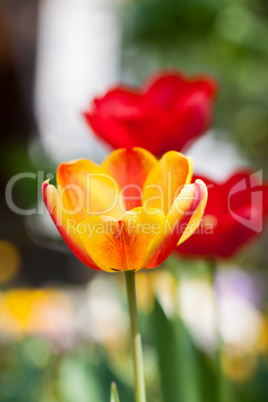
x=33, y=312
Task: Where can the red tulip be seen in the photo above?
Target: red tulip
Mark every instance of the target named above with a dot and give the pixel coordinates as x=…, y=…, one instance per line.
x=234, y=215
x=168, y=112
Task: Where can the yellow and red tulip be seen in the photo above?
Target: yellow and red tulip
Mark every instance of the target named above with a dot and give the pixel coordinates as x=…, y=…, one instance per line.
x=128, y=213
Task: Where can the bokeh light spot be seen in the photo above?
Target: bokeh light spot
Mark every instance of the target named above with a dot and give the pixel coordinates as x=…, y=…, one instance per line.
x=10, y=261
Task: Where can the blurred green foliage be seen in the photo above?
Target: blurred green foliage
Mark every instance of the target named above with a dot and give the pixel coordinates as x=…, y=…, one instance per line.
x=191, y=376
x=31, y=370
x=176, y=368
x=228, y=39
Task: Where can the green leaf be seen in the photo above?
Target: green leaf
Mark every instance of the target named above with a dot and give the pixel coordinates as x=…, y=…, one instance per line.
x=187, y=361
x=177, y=359
x=114, y=393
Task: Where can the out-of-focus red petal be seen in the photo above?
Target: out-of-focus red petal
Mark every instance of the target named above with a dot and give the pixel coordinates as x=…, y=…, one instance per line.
x=235, y=214
x=167, y=88
x=167, y=113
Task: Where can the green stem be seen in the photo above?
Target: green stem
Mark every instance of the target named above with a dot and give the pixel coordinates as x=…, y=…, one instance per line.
x=224, y=386
x=135, y=337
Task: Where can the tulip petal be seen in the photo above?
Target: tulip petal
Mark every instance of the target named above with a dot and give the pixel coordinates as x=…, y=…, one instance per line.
x=165, y=88
x=198, y=208
x=121, y=245
x=234, y=216
x=182, y=220
x=130, y=168
x=86, y=188
x=167, y=112
x=166, y=180
x=65, y=223
x=106, y=114
x=121, y=102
